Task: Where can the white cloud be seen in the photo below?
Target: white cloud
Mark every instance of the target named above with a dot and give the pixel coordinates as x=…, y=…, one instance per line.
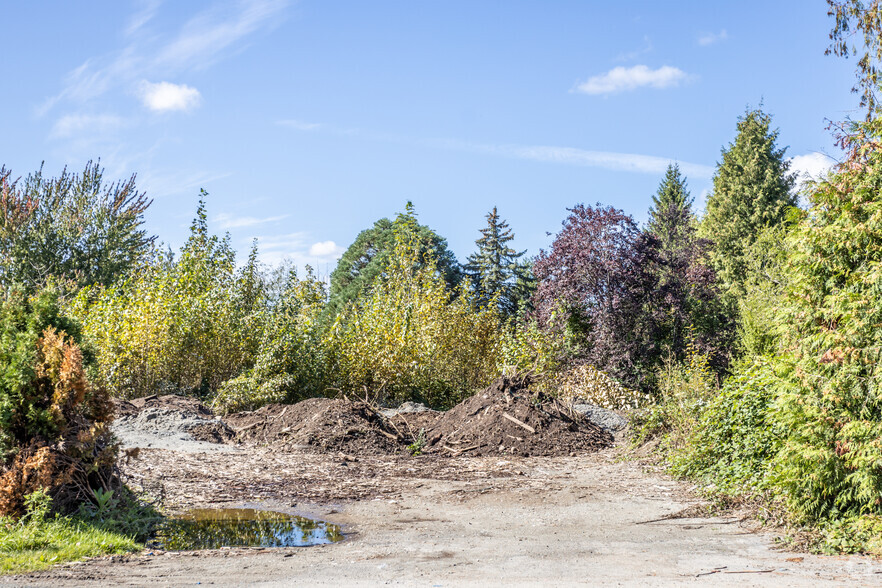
x=705, y=39
x=326, y=250
x=200, y=42
x=632, y=162
x=811, y=166
x=76, y=125
x=143, y=16
x=162, y=184
x=621, y=79
x=228, y=221
x=204, y=37
x=629, y=162
x=165, y=96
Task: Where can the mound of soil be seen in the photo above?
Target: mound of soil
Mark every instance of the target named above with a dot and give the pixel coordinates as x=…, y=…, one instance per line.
x=319, y=424
x=507, y=418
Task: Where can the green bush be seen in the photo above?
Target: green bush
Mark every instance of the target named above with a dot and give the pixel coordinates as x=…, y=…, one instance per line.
x=291, y=360
x=54, y=425
x=410, y=338
x=684, y=390
x=736, y=436
x=178, y=326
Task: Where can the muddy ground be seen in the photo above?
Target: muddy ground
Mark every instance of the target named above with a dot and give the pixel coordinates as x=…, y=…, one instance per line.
x=442, y=519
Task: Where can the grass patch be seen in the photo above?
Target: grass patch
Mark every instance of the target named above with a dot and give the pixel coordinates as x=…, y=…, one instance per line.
x=35, y=544
x=40, y=539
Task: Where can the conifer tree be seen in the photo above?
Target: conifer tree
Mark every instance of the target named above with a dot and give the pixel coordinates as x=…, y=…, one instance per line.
x=752, y=191
x=671, y=210
x=495, y=268
x=363, y=262
x=685, y=299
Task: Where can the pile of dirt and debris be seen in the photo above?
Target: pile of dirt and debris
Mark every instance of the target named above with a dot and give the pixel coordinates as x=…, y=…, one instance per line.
x=169, y=422
x=507, y=418
x=320, y=424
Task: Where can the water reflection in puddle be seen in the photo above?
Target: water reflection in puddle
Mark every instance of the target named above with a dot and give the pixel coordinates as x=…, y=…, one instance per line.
x=242, y=527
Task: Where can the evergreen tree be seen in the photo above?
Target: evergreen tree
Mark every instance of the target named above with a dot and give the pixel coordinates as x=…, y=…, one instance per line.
x=495, y=269
x=684, y=303
x=364, y=261
x=671, y=209
x=752, y=191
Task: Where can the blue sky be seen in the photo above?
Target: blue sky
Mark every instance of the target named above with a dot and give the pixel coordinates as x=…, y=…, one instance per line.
x=307, y=121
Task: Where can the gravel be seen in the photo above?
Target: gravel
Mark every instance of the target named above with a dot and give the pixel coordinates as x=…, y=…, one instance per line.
x=165, y=428
x=603, y=418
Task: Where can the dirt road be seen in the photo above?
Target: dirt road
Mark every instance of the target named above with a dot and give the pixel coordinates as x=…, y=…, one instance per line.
x=589, y=520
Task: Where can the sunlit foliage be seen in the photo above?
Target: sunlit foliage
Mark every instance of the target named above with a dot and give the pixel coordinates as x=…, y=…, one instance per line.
x=184, y=325
x=410, y=338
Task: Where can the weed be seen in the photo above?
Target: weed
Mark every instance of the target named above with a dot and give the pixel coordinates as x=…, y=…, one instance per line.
x=416, y=447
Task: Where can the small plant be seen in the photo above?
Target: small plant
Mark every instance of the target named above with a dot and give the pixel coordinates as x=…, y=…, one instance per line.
x=685, y=388
x=37, y=505
x=416, y=448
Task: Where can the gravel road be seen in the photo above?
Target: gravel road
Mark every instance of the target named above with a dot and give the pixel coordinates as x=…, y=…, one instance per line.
x=589, y=520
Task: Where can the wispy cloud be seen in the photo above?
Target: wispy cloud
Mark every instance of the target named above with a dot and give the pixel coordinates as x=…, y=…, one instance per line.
x=165, y=96
x=299, y=125
x=73, y=125
x=200, y=42
x=632, y=55
x=705, y=39
x=229, y=221
x=628, y=162
x=142, y=16
x=163, y=184
x=204, y=38
x=621, y=79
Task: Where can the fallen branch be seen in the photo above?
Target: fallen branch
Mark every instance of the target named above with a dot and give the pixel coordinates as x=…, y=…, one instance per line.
x=458, y=451
x=390, y=435
x=517, y=422
x=251, y=426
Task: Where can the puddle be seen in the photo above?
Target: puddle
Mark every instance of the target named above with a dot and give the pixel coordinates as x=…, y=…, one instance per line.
x=242, y=527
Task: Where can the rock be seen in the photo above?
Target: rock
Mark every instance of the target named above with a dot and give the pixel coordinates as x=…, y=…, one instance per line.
x=406, y=408
x=603, y=418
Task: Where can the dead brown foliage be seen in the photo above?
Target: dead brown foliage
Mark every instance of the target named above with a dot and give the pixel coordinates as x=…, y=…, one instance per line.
x=82, y=455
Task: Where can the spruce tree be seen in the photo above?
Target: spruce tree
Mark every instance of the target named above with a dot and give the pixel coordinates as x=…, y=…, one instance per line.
x=752, y=191
x=495, y=268
x=684, y=302
x=671, y=210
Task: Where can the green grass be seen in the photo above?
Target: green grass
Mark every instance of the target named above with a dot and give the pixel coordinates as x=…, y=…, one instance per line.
x=27, y=546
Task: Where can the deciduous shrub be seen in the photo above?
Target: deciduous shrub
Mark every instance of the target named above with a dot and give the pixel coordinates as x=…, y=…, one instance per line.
x=737, y=435
x=291, y=360
x=178, y=326
x=410, y=338
x=74, y=228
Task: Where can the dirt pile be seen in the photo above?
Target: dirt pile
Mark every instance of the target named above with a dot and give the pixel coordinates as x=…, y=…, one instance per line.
x=507, y=418
x=319, y=424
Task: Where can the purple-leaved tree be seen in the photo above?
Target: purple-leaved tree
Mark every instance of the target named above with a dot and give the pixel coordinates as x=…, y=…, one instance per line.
x=595, y=281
